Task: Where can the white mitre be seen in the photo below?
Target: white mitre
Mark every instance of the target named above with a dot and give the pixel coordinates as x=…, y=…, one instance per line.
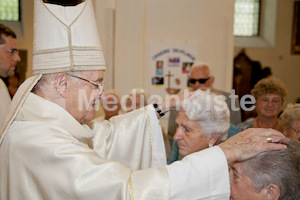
x=65, y=40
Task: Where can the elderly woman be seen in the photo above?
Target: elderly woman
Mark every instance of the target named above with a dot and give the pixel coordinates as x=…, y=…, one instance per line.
x=290, y=121
x=202, y=122
x=269, y=94
x=272, y=175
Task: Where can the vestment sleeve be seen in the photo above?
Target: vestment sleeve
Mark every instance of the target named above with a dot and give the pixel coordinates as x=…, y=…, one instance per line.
x=5, y=101
x=135, y=139
x=205, y=173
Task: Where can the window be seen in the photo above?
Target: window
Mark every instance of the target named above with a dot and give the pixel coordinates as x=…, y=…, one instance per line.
x=9, y=10
x=246, y=17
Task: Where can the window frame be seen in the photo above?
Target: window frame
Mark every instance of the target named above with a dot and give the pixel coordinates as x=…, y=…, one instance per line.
x=267, y=28
x=259, y=22
x=20, y=14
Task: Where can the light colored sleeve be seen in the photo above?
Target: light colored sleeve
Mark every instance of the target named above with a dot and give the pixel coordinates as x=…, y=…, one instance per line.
x=62, y=167
x=205, y=173
x=135, y=139
x=5, y=101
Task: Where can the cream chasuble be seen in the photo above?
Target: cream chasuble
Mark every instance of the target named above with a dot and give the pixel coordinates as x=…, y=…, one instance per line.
x=4, y=102
x=135, y=140
x=49, y=159
x=44, y=155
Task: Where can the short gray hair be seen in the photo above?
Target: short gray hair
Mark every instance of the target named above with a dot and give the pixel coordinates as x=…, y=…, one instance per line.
x=289, y=115
x=211, y=111
x=47, y=81
x=281, y=168
x=201, y=64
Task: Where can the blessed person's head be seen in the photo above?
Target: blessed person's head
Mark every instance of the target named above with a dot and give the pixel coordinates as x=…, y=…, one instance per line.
x=202, y=121
x=9, y=54
x=200, y=76
x=272, y=175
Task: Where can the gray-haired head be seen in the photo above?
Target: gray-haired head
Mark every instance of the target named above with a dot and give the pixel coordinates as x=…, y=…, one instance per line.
x=281, y=168
x=201, y=76
x=211, y=111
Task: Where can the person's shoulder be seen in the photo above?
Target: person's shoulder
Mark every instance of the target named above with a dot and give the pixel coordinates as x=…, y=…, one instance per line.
x=221, y=92
x=38, y=128
x=246, y=124
x=98, y=119
x=233, y=129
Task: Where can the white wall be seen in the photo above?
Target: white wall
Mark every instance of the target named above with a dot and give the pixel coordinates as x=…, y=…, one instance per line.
x=208, y=23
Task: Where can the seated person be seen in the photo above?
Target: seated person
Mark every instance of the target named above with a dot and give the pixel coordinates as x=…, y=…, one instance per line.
x=201, y=77
x=269, y=94
x=290, y=121
x=272, y=175
x=202, y=122
x=136, y=99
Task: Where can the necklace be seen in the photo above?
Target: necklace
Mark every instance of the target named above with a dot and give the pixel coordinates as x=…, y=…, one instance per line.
x=258, y=126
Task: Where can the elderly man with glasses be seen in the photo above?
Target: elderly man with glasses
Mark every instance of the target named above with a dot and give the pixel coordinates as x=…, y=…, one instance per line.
x=201, y=77
x=9, y=57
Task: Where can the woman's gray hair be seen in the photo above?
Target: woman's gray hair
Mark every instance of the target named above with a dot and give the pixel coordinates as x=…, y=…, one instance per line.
x=281, y=168
x=289, y=115
x=211, y=111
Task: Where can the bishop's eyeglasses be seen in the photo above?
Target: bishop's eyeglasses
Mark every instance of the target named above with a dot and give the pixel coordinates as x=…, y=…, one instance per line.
x=100, y=86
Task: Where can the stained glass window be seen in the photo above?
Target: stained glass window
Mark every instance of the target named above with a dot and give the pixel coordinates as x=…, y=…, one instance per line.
x=246, y=17
x=9, y=10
